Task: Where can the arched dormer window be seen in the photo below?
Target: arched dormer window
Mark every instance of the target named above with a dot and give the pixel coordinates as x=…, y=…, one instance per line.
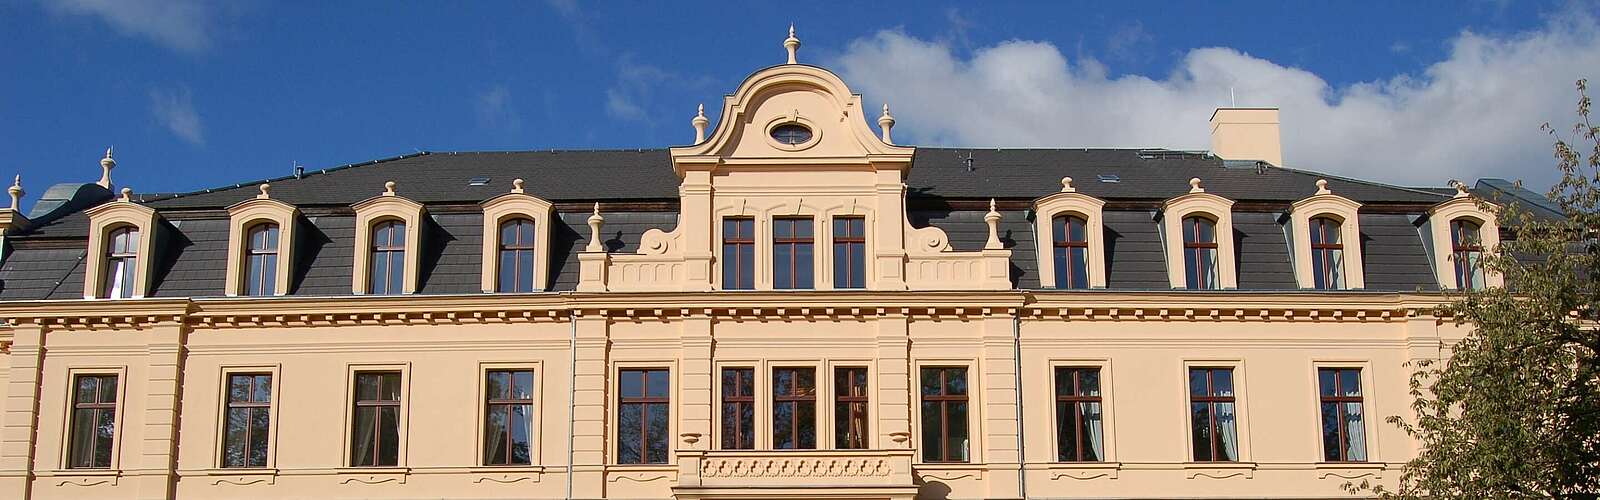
x=516, y=242
x=1462, y=232
x=1068, y=224
x=122, y=263
x=121, y=248
x=1198, y=230
x=261, y=246
x=387, y=246
x=1326, y=241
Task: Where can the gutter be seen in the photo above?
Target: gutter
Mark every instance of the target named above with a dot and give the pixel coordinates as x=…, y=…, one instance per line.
x=1022, y=455
x=572, y=395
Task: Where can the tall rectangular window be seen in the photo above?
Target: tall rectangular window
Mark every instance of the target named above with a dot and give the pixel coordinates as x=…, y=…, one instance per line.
x=1200, y=253
x=94, y=421
x=248, y=420
x=793, y=254
x=1080, y=433
x=1327, y=254
x=850, y=407
x=944, y=414
x=375, y=425
x=122, y=262
x=794, y=408
x=261, y=261
x=642, y=415
x=738, y=253
x=388, y=266
x=1212, y=415
x=508, y=417
x=1070, y=251
x=516, y=266
x=1466, y=250
x=849, y=252
x=1343, y=430
x=738, y=408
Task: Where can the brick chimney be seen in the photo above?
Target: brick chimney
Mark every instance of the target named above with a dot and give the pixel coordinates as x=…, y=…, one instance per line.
x=1246, y=134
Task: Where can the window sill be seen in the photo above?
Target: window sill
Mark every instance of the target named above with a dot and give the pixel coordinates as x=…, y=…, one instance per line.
x=507, y=474
x=1350, y=470
x=82, y=477
x=373, y=475
x=950, y=471
x=1081, y=470
x=1219, y=470
x=241, y=476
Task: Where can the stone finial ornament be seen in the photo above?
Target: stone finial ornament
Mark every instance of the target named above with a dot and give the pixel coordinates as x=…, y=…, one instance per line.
x=516, y=186
x=792, y=44
x=16, y=193
x=595, y=221
x=106, y=164
x=993, y=219
x=886, y=122
x=1194, y=186
x=1461, y=189
x=266, y=192
x=1322, y=187
x=700, y=123
x=1066, y=185
x=388, y=188
x=127, y=194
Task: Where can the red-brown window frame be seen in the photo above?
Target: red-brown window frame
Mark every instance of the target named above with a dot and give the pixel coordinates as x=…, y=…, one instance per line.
x=798, y=398
x=846, y=258
x=517, y=248
x=129, y=254
x=1213, y=429
x=492, y=404
x=944, y=399
x=644, y=412
x=1462, y=249
x=1323, y=230
x=252, y=405
x=1064, y=240
x=377, y=405
x=849, y=399
x=794, y=241
x=743, y=272
x=1072, y=399
x=96, y=407
x=1195, y=248
x=260, y=276
x=739, y=400
x=388, y=250
x=1338, y=399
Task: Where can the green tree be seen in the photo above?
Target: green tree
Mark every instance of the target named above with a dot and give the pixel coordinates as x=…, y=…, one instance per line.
x=1515, y=410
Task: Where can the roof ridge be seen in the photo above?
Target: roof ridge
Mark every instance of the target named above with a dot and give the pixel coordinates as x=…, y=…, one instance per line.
x=1358, y=181
x=245, y=184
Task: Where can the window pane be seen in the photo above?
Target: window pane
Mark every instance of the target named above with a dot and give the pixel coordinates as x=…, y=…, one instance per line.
x=1221, y=382
x=955, y=380
x=521, y=423
x=388, y=436
x=236, y=439
x=104, y=430
x=930, y=381
x=806, y=420
x=497, y=385
x=260, y=425
x=932, y=429
x=1325, y=381
x=525, y=268
x=805, y=265
x=495, y=440
x=367, y=386
x=363, y=436
x=83, y=431
x=1350, y=382
x=632, y=383
x=1092, y=430
x=782, y=260
x=1354, y=433
x=1200, y=420
x=391, y=387
x=1066, y=434
x=1079, y=260
x=88, y=389
x=657, y=447
x=1228, y=439
x=958, y=430
x=659, y=384
x=630, y=430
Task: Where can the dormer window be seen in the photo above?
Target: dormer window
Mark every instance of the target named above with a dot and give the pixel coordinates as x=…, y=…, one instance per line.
x=517, y=255
x=793, y=253
x=1327, y=254
x=388, y=259
x=1466, y=249
x=261, y=260
x=1070, y=251
x=1200, y=253
x=122, y=262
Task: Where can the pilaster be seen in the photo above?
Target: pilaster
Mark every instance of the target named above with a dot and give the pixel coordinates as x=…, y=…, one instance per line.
x=158, y=456
x=589, y=404
x=695, y=220
x=697, y=410
x=21, y=412
x=889, y=245
x=894, y=380
x=1000, y=416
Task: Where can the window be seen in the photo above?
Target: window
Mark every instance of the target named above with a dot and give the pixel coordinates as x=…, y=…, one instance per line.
x=1466, y=247
x=738, y=253
x=1071, y=252
x=642, y=416
x=388, y=273
x=508, y=417
x=516, y=256
x=849, y=252
x=792, y=254
x=1200, y=253
x=791, y=134
x=1343, y=430
x=944, y=414
x=375, y=429
x=261, y=261
x=794, y=408
x=122, y=261
x=1211, y=409
x=738, y=408
x=1327, y=254
x=1080, y=432
x=850, y=408
x=94, y=421
x=248, y=420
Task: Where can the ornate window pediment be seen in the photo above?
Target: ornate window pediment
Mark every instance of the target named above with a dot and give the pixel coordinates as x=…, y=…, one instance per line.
x=1075, y=210
x=516, y=235
x=122, y=242
x=1209, y=208
x=1327, y=252
x=1447, y=247
x=245, y=218
x=384, y=208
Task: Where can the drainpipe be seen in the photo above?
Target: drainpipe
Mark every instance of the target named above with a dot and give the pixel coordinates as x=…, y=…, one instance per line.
x=572, y=395
x=1022, y=456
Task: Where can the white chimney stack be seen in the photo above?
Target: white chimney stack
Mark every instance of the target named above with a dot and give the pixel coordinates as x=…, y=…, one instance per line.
x=1246, y=134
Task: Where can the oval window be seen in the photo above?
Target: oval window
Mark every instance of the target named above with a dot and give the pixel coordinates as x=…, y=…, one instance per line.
x=792, y=134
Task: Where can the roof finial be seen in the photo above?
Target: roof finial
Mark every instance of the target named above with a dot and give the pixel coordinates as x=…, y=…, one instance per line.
x=1322, y=187
x=265, y=192
x=127, y=194
x=700, y=123
x=1461, y=188
x=1194, y=186
x=1066, y=185
x=595, y=221
x=886, y=122
x=388, y=188
x=106, y=164
x=993, y=219
x=16, y=193
x=792, y=44
x=516, y=186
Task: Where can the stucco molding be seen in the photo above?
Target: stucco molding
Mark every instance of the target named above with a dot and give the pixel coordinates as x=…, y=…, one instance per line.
x=1338, y=208
x=1462, y=207
x=1216, y=208
x=379, y=208
x=245, y=215
x=505, y=207
x=110, y=216
x=1089, y=208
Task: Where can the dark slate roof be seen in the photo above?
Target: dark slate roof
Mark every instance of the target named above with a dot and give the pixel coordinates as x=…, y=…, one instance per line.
x=1393, y=253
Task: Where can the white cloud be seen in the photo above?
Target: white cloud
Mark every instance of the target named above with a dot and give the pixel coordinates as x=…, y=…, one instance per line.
x=494, y=109
x=1474, y=114
x=174, y=109
x=184, y=25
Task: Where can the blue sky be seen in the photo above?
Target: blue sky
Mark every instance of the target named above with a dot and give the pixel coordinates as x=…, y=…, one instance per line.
x=196, y=94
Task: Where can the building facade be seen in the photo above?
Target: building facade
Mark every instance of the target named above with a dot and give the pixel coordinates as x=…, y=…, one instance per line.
x=791, y=306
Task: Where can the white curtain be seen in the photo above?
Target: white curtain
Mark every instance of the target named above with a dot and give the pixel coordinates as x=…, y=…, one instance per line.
x=1096, y=433
x=1226, y=431
x=1355, y=432
x=1211, y=270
